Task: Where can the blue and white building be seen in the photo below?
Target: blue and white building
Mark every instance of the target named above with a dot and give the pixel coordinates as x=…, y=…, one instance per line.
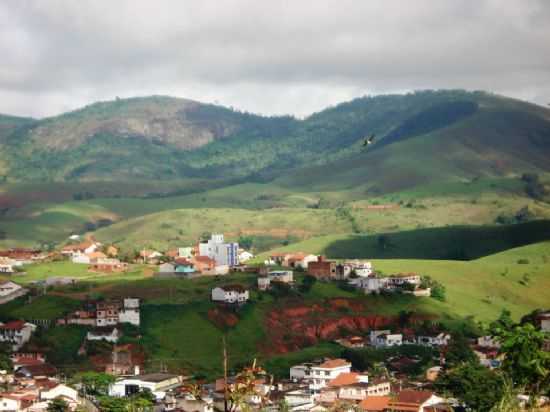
x=223, y=253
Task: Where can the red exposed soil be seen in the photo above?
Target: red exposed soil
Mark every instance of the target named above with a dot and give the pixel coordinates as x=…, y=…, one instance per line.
x=296, y=326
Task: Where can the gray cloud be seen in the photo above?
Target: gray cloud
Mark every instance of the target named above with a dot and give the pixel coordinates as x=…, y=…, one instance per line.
x=267, y=57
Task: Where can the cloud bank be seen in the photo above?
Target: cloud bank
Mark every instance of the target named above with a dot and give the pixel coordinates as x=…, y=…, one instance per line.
x=266, y=57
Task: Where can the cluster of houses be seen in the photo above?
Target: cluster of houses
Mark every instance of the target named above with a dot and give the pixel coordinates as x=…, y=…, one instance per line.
x=214, y=256
x=89, y=253
x=104, y=316
x=359, y=274
x=327, y=384
x=33, y=385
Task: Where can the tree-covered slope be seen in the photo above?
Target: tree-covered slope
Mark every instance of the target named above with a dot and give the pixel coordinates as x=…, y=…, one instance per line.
x=454, y=133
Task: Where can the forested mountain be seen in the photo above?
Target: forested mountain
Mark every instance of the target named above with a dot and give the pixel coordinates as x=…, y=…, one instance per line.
x=455, y=133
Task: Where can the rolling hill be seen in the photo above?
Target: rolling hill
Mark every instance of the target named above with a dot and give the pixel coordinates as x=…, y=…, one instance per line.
x=421, y=137
x=445, y=157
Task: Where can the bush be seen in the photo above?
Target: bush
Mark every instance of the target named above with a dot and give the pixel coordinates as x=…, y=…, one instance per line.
x=523, y=261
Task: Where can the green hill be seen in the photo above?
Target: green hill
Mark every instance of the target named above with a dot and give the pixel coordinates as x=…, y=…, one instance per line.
x=453, y=242
x=187, y=337
x=421, y=137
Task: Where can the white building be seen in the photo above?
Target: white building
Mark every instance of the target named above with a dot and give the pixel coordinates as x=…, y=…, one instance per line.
x=10, y=290
x=318, y=376
x=129, y=312
x=16, y=333
x=185, y=252
x=107, y=334
x=245, y=256
x=59, y=391
x=263, y=283
x=157, y=383
x=6, y=265
x=284, y=276
x=386, y=340
x=230, y=294
x=441, y=339
x=223, y=253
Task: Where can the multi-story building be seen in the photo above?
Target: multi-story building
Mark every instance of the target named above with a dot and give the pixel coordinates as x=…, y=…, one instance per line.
x=322, y=269
x=16, y=333
x=319, y=375
x=223, y=253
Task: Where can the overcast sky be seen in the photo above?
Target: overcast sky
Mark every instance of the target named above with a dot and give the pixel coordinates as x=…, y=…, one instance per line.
x=266, y=56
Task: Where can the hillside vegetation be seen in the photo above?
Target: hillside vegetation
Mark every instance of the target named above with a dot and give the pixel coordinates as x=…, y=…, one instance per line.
x=453, y=242
x=454, y=133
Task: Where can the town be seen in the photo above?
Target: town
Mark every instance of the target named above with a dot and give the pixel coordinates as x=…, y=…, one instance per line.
x=383, y=365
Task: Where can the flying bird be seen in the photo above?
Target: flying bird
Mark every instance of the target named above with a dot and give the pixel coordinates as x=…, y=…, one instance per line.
x=369, y=140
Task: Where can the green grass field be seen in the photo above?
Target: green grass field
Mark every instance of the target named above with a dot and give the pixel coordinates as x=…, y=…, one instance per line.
x=453, y=242
x=41, y=271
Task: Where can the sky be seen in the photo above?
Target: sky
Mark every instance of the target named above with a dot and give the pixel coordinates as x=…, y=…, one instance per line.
x=268, y=57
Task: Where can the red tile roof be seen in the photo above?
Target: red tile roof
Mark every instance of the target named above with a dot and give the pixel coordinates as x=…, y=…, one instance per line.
x=375, y=403
x=344, y=379
x=13, y=325
x=334, y=363
x=79, y=246
x=412, y=396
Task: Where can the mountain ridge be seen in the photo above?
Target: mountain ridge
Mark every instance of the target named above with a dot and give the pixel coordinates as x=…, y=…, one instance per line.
x=161, y=137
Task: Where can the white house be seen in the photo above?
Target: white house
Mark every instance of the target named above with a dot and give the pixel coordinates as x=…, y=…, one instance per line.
x=6, y=265
x=157, y=383
x=318, y=376
x=544, y=319
x=60, y=390
x=106, y=333
x=441, y=339
x=190, y=404
x=245, y=256
x=167, y=268
x=16, y=333
x=129, y=313
x=223, y=253
x=10, y=290
x=284, y=276
x=263, y=283
x=361, y=268
x=230, y=294
x=11, y=403
x=401, y=279
x=370, y=284
x=80, y=248
x=386, y=340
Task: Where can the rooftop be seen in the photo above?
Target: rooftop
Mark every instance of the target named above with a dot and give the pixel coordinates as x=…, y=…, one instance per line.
x=334, y=363
x=375, y=403
x=155, y=377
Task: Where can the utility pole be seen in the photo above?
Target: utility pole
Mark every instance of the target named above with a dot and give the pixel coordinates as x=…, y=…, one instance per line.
x=224, y=375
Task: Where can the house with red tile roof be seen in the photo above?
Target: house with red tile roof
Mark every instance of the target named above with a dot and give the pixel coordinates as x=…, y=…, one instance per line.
x=375, y=404
x=319, y=375
x=414, y=401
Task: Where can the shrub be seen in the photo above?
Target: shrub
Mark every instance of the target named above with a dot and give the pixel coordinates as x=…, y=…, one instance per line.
x=523, y=261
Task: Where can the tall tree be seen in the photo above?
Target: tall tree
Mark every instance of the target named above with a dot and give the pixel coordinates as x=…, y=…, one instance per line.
x=525, y=360
x=478, y=387
x=58, y=405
